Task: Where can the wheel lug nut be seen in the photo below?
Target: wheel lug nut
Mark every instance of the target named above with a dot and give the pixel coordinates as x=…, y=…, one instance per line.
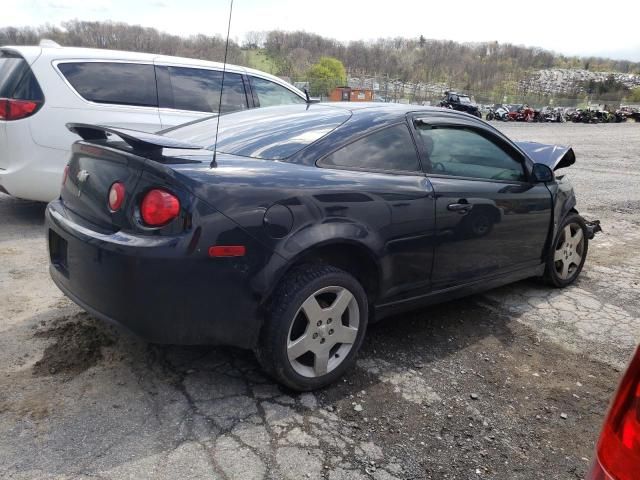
x=315, y=335
x=329, y=321
x=331, y=332
x=322, y=340
x=319, y=323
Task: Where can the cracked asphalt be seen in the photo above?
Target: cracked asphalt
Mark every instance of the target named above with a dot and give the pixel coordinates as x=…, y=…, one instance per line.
x=511, y=384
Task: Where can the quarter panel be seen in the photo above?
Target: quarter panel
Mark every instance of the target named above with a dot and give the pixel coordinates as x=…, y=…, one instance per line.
x=392, y=216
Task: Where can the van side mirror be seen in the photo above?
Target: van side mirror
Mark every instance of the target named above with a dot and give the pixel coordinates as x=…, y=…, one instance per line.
x=542, y=173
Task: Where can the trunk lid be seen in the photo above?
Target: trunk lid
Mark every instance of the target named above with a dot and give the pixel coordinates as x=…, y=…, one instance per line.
x=108, y=155
x=85, y=191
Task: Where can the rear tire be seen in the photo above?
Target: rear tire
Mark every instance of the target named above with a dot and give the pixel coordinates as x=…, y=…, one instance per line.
x=314, y=327
x=568, y=252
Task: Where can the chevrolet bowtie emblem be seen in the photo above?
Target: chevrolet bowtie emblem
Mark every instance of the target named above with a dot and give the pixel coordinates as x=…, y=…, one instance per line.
x=82, y=177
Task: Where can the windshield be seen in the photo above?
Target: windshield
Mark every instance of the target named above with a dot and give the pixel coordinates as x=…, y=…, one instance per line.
x=271, y=133
x=464, y=99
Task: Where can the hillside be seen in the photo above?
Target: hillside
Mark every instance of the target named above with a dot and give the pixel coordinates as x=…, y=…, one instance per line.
x=416, y=69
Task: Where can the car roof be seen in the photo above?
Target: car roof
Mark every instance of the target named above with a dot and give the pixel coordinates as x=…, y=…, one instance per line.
x=52, y=53
x=281, y=132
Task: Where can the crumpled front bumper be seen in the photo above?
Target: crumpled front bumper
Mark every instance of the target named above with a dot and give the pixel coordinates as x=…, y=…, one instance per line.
x=593, y=227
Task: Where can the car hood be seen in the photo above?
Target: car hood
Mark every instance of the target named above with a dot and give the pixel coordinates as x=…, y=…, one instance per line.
x=554, y=156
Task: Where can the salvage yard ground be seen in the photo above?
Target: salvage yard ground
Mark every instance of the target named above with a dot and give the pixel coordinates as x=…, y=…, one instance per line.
x=511, y=384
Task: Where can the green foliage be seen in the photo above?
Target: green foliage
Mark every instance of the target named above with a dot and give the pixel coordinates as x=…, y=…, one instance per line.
x=325, y=75
x=259, y=60
x=634, y=96
x=610, y=89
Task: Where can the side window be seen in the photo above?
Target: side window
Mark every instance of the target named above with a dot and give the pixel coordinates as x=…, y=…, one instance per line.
x=388, y=149
x=462, y=152
x=198, y=90
x=119, y=83
x=270, y=93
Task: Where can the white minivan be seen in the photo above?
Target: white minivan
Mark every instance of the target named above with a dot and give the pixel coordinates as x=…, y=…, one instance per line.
x=44, y=87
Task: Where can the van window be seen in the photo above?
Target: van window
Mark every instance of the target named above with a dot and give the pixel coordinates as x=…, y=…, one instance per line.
x=198, y=89
x=16, y=78
x=111, y=82
x=270, y=93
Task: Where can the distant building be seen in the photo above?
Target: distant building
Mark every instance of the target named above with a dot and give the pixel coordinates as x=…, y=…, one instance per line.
x=348, y=94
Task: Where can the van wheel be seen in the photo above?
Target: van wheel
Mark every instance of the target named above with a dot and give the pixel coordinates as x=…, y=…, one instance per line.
x=314, y=327
x=568, y=252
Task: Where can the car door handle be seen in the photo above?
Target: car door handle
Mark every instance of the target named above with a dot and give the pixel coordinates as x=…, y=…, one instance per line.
x=459, y=207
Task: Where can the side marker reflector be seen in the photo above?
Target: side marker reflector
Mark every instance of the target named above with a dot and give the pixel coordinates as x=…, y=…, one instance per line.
x=227, y=251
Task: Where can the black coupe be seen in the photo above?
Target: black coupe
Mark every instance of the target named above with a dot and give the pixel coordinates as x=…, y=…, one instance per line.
x=307, y=223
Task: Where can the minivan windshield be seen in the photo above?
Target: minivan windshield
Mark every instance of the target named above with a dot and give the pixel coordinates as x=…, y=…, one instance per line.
x=271, y=133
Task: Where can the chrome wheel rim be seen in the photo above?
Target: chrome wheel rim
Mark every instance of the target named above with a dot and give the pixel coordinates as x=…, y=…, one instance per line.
x=569, y=251
x=323, y=331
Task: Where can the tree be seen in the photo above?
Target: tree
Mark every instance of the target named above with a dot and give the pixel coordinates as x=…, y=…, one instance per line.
x=634, y=96
x=254, y=40
x=325, y=75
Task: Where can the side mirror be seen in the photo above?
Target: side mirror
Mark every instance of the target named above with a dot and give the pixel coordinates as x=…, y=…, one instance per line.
x=542, y=173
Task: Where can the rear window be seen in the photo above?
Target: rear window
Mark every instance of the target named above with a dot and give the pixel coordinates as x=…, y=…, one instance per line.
x=271, y=133
x=16, y=78
x=110, y=82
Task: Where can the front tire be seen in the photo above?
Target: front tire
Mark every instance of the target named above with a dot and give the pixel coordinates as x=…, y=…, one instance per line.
x=314, y=327
x=568, y=253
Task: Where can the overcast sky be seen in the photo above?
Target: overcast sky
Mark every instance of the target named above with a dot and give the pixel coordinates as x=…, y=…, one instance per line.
x=570, y=27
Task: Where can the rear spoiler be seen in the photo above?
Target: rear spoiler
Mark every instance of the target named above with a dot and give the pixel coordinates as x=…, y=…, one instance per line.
x=145, y=144
x=553, y=156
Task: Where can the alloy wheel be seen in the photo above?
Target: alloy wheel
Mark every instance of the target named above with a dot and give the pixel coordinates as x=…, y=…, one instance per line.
x=323, y=331
x=569, y=251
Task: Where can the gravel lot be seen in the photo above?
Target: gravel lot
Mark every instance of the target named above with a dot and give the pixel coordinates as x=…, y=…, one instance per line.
x=511, y=384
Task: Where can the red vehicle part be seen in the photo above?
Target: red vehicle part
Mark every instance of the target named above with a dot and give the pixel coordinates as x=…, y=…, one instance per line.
x=618, y=450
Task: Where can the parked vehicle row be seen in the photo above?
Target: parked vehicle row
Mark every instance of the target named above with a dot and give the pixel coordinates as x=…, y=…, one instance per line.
x=525, y=113
x=44, y=87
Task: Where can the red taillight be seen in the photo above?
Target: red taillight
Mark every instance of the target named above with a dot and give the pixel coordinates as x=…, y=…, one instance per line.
x=116, y=196
x=65, y=174
x=159, y=207
x=11, y=109
x=619, y=446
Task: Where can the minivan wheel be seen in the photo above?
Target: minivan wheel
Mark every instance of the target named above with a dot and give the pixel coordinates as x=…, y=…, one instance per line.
x=314, y=327
x=568, y=252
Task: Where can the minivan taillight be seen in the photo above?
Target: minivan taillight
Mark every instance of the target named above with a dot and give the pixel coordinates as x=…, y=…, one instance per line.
x=618, y=451
x=159, y=207
x=12, y=109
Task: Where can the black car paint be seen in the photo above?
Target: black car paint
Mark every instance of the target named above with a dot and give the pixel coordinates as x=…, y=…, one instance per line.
x=162, y=284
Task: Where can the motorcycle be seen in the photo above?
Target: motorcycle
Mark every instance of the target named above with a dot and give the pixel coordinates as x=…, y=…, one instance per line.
x=498, y=113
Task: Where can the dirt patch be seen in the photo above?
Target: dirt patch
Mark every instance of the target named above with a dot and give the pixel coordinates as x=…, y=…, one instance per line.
x=509, y=404
x=77, y=347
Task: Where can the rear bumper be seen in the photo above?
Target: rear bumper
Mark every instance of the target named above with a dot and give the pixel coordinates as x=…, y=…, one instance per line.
x=153, y=286
x=35, y=176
